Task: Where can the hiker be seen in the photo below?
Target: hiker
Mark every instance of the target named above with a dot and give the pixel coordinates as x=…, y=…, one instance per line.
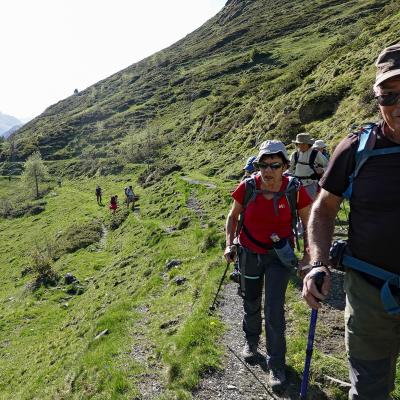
x=321, y=146
x=372, y=311
x=114, y=203
x=267, y=213
x=98, y=195
x=130, y=197
x=307, y=164
x=249, y=167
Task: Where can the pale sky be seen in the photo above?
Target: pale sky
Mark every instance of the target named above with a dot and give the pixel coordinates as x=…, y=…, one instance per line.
x=51, y=47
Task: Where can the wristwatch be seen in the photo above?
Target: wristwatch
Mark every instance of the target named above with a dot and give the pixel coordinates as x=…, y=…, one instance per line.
x=316, y=264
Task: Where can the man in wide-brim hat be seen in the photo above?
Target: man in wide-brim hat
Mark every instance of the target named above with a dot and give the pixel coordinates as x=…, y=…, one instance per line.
x=307, y=164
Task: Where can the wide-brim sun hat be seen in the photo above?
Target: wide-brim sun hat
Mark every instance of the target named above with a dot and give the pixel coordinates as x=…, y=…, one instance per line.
x=387, y=64
x=271, y=147
x=303, y=138
x=319, y=144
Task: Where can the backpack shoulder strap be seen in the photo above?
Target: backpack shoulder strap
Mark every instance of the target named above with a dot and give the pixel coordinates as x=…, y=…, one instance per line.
x=366, y=142
x=296, y=158
x=249, y=195
x=291, y=193
x=313, y=156
x=367, y=139
x=250, y=191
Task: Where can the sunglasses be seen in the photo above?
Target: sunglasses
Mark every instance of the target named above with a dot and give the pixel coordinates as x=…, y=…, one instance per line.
x=274, y=165
x=389, y=99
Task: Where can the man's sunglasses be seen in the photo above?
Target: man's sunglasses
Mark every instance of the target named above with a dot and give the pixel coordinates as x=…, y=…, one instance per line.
x=274, y=165
x=389, y=99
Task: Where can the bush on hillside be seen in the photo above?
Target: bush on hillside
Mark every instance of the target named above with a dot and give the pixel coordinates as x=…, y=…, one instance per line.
x=14, y=208
x=116, y=220
x=157, y=171
x=42, y=267
x=142, y=146
x=79, y=236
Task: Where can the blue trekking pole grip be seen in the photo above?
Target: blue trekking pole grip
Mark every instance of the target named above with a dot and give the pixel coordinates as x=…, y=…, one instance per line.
x=318, y=279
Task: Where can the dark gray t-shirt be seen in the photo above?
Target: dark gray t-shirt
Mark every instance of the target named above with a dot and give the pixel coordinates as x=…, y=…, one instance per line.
x=374, y=230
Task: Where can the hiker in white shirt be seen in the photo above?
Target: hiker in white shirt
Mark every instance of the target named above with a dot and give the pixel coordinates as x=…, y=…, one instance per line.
x=307, y=164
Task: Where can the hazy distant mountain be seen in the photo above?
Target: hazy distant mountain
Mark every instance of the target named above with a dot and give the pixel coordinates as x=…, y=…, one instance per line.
x=14, y=128
x=8, y=122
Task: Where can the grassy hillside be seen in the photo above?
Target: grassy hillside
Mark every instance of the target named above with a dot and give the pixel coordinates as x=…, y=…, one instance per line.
x=258, y=69
x=178, y=126
x=132, y=319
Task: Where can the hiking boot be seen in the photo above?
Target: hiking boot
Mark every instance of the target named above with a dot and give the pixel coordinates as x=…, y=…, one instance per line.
x=277, y=378
x=249, y=351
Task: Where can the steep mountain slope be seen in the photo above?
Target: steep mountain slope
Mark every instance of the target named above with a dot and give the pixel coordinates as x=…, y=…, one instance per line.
x=257, y=69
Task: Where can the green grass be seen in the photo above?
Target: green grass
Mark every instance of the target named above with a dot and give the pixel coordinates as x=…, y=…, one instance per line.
x=202, y=104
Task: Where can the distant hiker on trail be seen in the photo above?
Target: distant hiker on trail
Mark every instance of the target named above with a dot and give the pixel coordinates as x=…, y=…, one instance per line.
x=321, y=146
x=307, y=164
x=130, y=197
x=263, y=204
x=114, y=203
x=249, y=167
x=98, y=195
x=371, y=257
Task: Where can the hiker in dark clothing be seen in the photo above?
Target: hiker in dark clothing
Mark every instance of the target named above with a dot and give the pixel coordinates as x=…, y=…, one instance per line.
x=372, y=313
x=98, y=195
x=267, y=214
x=130, y=197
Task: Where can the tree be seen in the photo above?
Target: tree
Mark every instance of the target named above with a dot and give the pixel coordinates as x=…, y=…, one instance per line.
x=34, y=171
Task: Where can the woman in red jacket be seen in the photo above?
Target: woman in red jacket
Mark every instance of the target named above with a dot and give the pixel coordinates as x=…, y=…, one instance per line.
x=267, y=214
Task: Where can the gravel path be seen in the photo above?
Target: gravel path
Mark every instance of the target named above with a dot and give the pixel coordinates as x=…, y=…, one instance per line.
x=243, y=381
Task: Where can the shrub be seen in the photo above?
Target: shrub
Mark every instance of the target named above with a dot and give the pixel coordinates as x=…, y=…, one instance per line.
x=79, y=236
x=42, y=267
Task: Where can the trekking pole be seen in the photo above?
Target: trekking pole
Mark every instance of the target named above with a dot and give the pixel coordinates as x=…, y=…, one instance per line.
x=319, y=278
x=212, y=307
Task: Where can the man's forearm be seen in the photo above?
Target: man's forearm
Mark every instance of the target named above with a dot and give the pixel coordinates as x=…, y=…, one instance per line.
x=320, y=232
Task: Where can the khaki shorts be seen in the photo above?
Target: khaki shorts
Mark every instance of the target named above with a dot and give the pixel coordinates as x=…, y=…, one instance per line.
x=371, y=333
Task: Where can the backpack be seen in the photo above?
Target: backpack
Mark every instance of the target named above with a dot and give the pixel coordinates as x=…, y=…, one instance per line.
x=251, y=193
x=367, y=140
x=311, y=164
x=98, y=191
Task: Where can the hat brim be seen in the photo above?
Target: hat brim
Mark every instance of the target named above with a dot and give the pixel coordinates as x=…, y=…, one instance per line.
x=387, y=75
x=310, y=142
x=261, y=155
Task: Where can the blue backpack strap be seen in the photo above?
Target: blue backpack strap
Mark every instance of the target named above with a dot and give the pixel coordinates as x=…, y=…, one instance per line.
x=389, y=302
x=361, y=155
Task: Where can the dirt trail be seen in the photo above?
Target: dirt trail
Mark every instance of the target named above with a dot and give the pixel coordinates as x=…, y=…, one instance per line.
x=243, y=381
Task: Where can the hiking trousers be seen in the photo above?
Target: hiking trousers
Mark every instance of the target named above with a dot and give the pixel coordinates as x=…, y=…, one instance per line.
x=265, y=269
x=372, y=340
